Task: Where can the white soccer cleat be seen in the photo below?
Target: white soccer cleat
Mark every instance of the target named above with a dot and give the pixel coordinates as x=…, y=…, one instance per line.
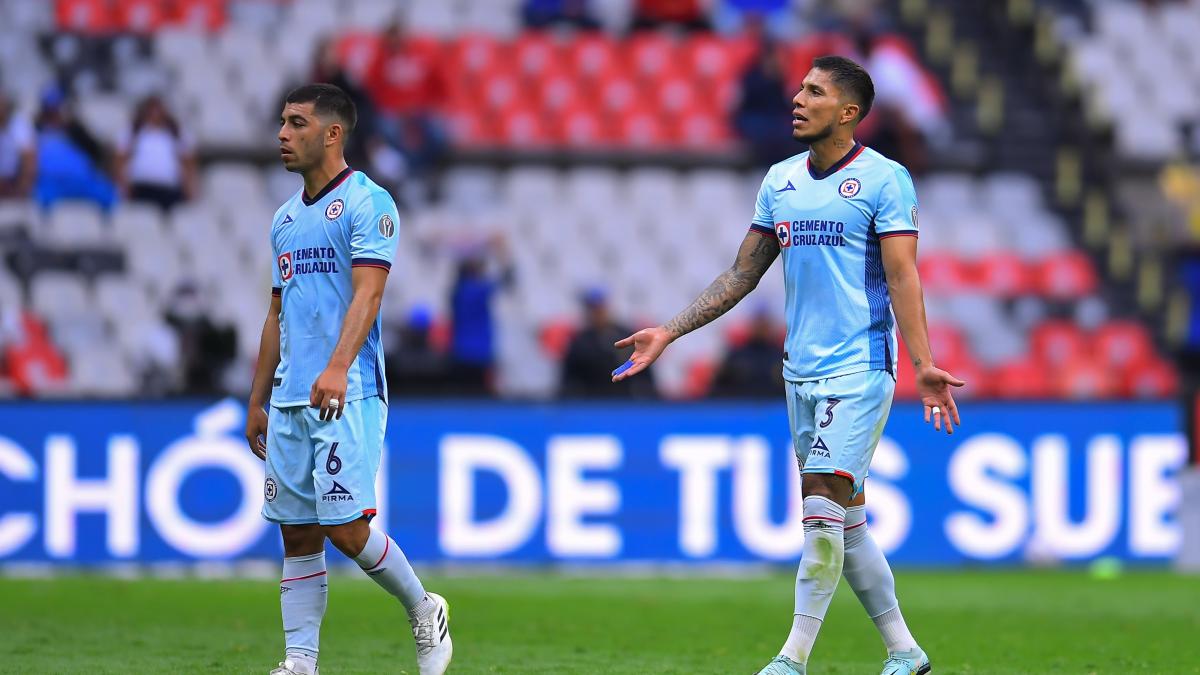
x=432, y=635
x=290, y=665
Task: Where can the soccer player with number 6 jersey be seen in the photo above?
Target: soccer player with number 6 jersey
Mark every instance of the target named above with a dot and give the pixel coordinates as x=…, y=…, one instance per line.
x=320, y=372
x=844, y=220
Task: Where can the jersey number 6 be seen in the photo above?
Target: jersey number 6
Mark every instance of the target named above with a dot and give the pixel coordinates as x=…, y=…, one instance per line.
x=334, y=464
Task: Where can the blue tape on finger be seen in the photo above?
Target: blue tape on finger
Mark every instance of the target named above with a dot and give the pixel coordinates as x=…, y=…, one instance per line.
x=624, y=367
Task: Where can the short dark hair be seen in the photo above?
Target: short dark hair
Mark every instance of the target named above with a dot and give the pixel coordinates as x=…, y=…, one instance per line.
x=850, y=78
x=328, y=101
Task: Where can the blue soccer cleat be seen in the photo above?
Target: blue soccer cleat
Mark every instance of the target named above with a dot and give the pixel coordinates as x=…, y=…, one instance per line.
x=782, y=665
x=911, y=662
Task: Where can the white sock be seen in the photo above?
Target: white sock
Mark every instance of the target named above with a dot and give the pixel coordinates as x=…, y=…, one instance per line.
x=384, y=562
x=868, y=573
x=818, y=575
x=303, y=595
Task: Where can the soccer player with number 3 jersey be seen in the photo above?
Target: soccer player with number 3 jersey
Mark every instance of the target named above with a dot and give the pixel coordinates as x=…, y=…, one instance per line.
x=320, y=372
x=844, y=220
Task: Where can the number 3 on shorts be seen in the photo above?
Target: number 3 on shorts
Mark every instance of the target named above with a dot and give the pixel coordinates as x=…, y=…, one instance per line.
x=334, y=464
x=828, y=412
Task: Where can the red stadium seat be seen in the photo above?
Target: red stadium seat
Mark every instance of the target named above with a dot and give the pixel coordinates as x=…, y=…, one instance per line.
x=650, y=55
x=700, y=129
x=676, y=95
x=699, y=379
x=592, y=56
x=643, y=127
x=205, y=14
x=1067, y=275
x=1005, y=275
x=1086, y=378
x=84, y=16
x=534, y=55
x=1022, y=379
x=947, y=343
x=618, y=93
x=1154, y=379
x=942, y=274
x=524, y=126
x=503, y=91
x=558, y=90
x=140, y=16
x=356, y=51
x=1056, y=342
x=1123, y=344
x=555, y=338
x=474, y=55
x=469, y=126
x=711, y=58
x=581, y=126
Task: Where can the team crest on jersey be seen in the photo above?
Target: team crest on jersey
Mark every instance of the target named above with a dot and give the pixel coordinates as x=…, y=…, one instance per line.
x=386, y=227
x=783, y=231
x=285, y=266
x=914, y=217
x=335, y=209
x=270, y=489
x=849, y=187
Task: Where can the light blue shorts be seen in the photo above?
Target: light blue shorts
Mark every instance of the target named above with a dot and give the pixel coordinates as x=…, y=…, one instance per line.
x=836, y=422
x=323, y=472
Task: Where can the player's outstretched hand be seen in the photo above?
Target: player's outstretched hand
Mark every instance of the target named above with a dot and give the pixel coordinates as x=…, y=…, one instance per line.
x=328, y=393
x=256, y=431
x=647, y=344
x=933, y=386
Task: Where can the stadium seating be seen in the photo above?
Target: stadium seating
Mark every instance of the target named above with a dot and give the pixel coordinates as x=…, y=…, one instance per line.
x=1005, y=283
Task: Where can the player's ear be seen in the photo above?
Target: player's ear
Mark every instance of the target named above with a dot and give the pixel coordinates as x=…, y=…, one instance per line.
x=850, y=112
x=333, y=133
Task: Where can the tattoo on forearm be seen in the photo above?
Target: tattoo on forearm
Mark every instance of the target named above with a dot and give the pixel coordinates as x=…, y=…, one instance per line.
x=917, y=363
x=754, y=258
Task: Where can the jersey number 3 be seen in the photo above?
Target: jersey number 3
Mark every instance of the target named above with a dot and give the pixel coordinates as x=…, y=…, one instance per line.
x=832, y=403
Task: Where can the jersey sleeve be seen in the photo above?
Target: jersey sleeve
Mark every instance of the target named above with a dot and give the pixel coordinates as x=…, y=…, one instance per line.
x=276, y=278
x=764, y=222
x=896, y=213
x=373, y=228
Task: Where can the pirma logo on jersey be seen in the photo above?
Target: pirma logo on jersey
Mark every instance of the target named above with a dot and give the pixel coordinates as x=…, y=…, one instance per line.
x=285, y=266
x=334, y=209
x=849, y=187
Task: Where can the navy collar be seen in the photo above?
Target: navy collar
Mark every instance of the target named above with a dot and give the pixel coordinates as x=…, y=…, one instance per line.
x=855, y=151
x=329, y=187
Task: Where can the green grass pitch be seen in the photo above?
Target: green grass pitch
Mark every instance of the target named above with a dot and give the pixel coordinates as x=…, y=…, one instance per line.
x=971, y=622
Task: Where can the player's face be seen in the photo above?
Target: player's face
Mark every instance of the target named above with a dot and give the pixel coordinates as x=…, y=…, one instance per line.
x=817, y=108
x=301, y=137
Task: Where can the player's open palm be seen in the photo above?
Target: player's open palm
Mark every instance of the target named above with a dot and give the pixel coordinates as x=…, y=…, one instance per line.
x=648, y=344
x=933, y=386
x=256, y=431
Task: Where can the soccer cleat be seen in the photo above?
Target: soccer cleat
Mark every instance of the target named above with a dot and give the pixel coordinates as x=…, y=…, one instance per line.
x=911, y=662
x=293, y=666
x=782, y=665
x=432, y=635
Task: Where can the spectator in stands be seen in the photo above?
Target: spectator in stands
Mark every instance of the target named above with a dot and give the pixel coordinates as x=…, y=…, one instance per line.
x=18, y=157
x=559, y=13
x=406, y=83
x=328, y=69
x=415, y=366
x=754, y=368
x=206, y=348
x=764, y=111
x=71, y=162
x=472, y=342
x=689, y=14
x=156, y=162
x=591, y=356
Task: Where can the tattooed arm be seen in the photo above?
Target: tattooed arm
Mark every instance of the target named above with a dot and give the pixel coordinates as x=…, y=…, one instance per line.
x=754, y=257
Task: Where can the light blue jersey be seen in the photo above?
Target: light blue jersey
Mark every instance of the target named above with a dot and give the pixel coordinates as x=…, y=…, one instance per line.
x=350, y=223
x=829, y=225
